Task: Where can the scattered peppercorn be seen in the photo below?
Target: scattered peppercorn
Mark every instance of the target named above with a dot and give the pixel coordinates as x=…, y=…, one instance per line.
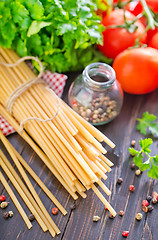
x=154, y=200
x=55, y=211
x=5, y=215
x=96, y=218
x=131, y=188
x=10, y=213
x=150, y=208
x=145, y=203
x=155, y=194
x=149, y=198
x=133, y=143
x=4, y=204
x=120, y=180
x=2, y=198
x=138, y=172
x=121, y=213
x=139, y=216
x=145, y=209
x=133, y=166
x=125, y=233
x=111, y=216
x=31, y=217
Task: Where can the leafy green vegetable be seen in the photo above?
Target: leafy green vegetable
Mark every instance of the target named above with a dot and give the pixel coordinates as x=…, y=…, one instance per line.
x=36, y=27
x=148, y=121
x=151, y=163
x=62, y=33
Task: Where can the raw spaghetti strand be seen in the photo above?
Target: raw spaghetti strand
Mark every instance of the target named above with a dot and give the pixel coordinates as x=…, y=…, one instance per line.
x=16, y=202
x=74, y=154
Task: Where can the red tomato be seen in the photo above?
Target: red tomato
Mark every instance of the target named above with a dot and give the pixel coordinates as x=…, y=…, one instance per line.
x=151, y=33
x=115, y=40
x=102, y=12
x=134, y=7
x=137, y=70
x=154, y=41
x=153, y=4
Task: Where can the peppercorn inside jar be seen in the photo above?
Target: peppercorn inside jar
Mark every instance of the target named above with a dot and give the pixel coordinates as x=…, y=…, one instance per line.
x=96, y=95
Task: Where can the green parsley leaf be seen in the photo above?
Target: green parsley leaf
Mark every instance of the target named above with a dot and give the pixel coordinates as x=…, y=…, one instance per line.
x=34, y=45
x=145, y=166
x=154, y=129
x=133, y=151
x=20, y=47
x=35, y=8
x=62, y=33
x=8, y=31
x=153, y=172
x=20, y=15
x=138, y=160
x=155, y=159
x=147, y=122
x=151, y=163
x=36, y=26
x=5, y=13
x=145, y=144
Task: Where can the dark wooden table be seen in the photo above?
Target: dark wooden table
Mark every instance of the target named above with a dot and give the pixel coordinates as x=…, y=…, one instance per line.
x=78, y=224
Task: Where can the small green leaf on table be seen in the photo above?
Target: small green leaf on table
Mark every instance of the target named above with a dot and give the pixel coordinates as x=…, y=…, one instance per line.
x=148, y=122
x=151, y=163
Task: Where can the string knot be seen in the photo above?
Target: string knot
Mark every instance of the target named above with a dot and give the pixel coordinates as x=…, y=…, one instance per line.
x=24, y=87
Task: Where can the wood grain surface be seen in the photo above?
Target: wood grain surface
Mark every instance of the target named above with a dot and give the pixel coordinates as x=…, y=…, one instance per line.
x=78, y=223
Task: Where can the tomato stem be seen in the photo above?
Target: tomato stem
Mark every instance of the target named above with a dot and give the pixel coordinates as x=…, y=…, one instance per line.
x=128, y=25
x=151, y=22
x=137, y=41
x=121, y=4
x=147, y=13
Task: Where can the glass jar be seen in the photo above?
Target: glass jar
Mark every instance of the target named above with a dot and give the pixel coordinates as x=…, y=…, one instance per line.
x=96, y=95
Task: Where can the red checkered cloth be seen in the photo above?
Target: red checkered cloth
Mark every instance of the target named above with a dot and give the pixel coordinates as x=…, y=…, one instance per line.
x=55, y=81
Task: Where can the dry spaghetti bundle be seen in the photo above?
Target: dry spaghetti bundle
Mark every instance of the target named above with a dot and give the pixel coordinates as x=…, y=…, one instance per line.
x=71, y=147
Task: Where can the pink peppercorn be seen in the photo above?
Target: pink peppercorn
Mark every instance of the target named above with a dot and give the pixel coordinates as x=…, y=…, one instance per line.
x=131, y=188
x=145, y=203
x=55, y=211
x=125, y=233
x=74, y=103
x=2, y=198
x=155, y=194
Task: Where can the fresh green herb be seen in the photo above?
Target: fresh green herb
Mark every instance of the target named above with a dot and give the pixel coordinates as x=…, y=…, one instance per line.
x=148, y=122
x=151, y=163
x=62, y=33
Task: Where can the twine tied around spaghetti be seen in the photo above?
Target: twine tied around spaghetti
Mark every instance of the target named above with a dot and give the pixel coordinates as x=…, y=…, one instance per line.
x=24, y=87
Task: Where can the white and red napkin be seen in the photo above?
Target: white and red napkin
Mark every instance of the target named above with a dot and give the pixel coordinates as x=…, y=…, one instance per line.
x=55, y=81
